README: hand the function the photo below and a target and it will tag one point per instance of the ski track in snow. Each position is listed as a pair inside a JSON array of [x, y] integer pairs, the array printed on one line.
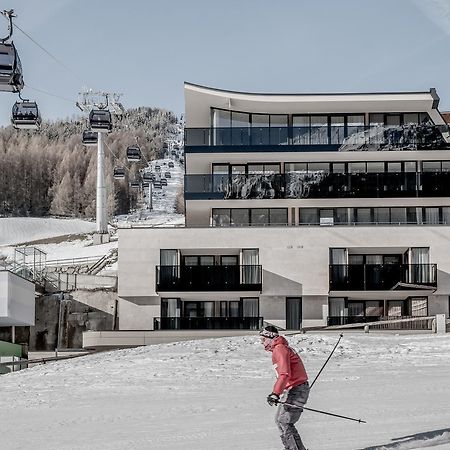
[[210, 394]]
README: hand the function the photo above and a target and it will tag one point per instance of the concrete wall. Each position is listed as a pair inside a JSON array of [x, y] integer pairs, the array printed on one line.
[[295, 262], [80, 311], [16, 300]]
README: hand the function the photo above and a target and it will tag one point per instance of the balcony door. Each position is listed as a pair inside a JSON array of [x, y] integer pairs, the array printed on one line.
[[250, 262]]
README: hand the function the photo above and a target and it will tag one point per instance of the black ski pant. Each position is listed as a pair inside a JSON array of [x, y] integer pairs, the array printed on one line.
[[287, 416]]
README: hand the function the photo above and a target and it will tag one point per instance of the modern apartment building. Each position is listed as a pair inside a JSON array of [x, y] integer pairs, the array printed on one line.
[[302, 210]]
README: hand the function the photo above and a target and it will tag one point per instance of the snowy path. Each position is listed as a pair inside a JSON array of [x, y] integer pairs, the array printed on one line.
[[210, 395]]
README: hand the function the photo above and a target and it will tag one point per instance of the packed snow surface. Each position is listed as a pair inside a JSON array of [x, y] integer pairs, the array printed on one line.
[[17, 230], [210, 395]]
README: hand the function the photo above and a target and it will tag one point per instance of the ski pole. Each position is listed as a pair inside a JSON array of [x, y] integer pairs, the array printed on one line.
[[326, 362], [322, 412]]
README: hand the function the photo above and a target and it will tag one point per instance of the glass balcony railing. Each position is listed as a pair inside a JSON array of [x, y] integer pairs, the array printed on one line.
[[208, 323], [342, 138], [384, 277], [209, 278], [318, 184]]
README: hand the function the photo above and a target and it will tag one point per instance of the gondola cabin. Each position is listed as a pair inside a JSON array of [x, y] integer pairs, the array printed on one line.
[[11, 76], [135, 184], [90, 137], [148, 176], [25, 115], [133, 153], [100, 120], [119, 173]]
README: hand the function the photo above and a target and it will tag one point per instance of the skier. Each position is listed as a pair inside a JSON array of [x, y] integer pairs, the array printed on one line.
[[292, 380]]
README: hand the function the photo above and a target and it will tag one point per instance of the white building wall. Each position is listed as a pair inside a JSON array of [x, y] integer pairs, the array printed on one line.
[[17, 301], [295, 262]]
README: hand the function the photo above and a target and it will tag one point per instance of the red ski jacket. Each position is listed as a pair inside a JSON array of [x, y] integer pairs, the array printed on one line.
[[288, 366]]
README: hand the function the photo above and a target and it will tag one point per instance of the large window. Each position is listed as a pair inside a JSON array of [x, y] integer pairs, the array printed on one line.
[[383, 215], [222, 217]]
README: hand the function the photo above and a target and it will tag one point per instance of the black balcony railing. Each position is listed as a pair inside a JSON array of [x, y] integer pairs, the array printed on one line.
[[376, 277], [208, 323], [318, 184], [343, 138], [209, 278]]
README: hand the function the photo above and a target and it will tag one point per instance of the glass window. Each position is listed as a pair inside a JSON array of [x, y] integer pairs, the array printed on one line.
[[326, 214], [278, 120], [431, 216], [318, 167], [357, 167], [375, 167], [393, 120], [445, 166], [410, 166], [376, 120], [412, 216], [338, 167], [431, 166], [240, 120], [221, 118], [234, 309], [250, 307], [356, 259], [341, 215], [259, 216], [237, 169], [338, 256], [398, 215], [300, 132], [256, 168], [300, 121], [206, 260], [295, 167], [394, 167], [337, 129], [231, 260], [419, 306], [278, 216], [260, 120], [220, 169], [270, 169], [446, 215], [221, 217], [319, 130], [190, 260], [309, 216], [363, 215], [424, 118], [223, 309], [411, 118], [381, 215], [355, 120], [168, 257], [240, 217]]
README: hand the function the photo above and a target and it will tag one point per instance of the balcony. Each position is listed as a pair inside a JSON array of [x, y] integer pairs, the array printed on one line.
[[298, 185], [382, 277], [208, 323], [208, 278], [316, 138]]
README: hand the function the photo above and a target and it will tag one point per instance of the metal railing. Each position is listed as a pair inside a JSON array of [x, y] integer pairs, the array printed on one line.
[[209, 278], [385, 322], [319, 184], [375, 277], [208, 323]]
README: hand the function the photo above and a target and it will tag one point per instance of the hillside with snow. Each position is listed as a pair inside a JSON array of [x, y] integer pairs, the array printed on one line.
[[210, 394]]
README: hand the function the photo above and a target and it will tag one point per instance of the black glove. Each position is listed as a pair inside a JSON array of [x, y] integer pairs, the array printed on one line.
[[273, 399]]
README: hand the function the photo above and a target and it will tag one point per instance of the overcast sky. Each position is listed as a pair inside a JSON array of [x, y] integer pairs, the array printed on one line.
[[146, 49]]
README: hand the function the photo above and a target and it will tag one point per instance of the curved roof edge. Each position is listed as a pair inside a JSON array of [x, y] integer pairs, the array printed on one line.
[[432, 92]]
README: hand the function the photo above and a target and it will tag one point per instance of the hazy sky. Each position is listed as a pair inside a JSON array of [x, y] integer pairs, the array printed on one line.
[[146, 49]]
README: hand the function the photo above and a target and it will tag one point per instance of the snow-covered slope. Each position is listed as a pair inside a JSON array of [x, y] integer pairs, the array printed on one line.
[[16, 230], [210, 394]]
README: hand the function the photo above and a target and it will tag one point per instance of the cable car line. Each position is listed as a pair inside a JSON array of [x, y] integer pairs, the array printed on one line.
[[48, 93], [42, 48]]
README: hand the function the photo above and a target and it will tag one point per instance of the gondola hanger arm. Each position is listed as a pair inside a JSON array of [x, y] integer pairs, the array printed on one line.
[[9, 14]]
